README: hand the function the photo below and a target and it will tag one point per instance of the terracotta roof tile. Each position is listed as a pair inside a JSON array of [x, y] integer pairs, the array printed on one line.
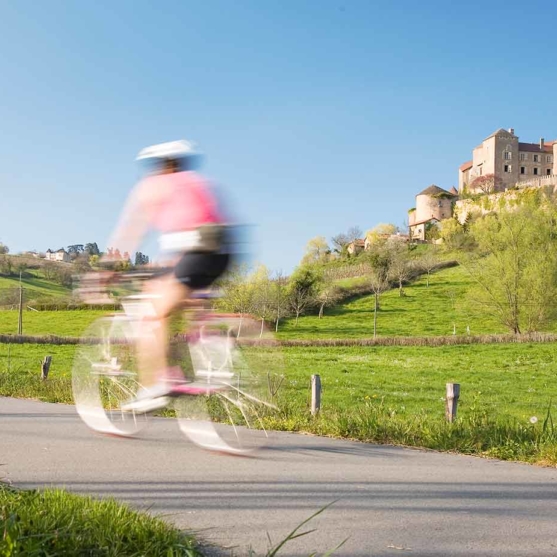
[[466, 166]]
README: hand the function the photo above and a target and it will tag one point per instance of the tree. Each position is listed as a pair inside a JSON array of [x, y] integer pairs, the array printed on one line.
[[377, 233], [516, 275], [341, 241], [378, 283], [429, 261], [140, 259], [328, 296], [81, 263], [455, 236], [6, 265], [63, 276], [4, 249], [238, 294], [92, 248], [74, 250], [488, 183], [316, 250], [262, 295], [378, 273], [279, 297], [401, 266], [50, 270], [302, 290]]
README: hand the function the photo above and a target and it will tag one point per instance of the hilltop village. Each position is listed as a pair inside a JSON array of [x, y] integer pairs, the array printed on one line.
[[499, 163]]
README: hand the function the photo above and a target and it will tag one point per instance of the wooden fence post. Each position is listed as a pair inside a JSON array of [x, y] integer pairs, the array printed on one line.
[[315, 394], [45, 367], [451, 401]]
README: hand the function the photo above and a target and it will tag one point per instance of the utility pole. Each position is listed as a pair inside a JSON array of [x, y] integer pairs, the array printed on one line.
[[20, 321]]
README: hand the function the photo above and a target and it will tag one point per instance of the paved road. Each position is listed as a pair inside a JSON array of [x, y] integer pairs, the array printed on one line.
[[391, 501]]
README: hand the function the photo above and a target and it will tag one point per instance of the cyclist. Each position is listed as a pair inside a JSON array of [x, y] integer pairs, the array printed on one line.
[[178, 203]]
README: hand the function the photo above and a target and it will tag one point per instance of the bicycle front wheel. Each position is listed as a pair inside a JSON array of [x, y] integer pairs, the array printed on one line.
[[104, 376], [235, 402]]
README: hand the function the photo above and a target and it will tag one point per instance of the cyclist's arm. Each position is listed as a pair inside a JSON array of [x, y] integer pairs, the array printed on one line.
[[133, 223]]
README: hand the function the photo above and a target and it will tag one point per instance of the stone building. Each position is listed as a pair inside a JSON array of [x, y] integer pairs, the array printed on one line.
[[433, 204], [510, 161]]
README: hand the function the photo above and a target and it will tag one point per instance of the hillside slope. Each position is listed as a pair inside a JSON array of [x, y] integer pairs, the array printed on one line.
[[422, 311]]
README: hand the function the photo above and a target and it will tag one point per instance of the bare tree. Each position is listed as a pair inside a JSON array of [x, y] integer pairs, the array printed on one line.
[[262, 295], [428, 262], [354, 233], [341, 241], [50, 270], [378, 283], [401, 266], [279, 297]]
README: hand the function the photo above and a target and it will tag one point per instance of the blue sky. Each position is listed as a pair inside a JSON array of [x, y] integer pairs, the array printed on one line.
[[315, 115]]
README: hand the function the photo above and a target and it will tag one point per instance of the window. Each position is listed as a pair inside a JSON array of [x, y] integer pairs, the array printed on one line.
[[508, 168], [536, 158], [548, 172], [523, 157], [523, 170], [549, 158], [536, 171], [507, 155]]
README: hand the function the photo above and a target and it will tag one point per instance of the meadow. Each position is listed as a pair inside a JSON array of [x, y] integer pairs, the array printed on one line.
[[70, 323], [379, 394], [440, 309]]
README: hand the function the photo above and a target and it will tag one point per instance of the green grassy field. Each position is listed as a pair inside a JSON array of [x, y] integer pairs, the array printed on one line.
[[36, 285], [59, 323], [508, 380], [423, 311], [400, 389]]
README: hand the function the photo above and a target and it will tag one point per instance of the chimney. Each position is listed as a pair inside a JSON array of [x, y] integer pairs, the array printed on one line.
[[542, 143], [511, 131]]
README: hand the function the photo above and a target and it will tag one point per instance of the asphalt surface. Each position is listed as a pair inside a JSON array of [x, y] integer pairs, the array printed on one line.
[[389, 500]]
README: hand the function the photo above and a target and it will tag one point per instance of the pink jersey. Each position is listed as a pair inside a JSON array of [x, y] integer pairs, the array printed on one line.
[[189, 204]]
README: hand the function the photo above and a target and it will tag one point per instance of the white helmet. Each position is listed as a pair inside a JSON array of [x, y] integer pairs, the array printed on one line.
[[171, 150]]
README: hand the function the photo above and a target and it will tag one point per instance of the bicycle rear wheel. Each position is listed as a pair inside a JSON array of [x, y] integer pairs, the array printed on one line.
[[104, 377], [232, 411]]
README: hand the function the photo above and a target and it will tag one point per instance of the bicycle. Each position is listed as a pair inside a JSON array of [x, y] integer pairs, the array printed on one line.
[[221, 394]]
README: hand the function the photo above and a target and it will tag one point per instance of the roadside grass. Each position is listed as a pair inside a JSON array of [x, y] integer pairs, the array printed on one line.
[[384, 394], [58, 323], [422, 311], [54, 522]]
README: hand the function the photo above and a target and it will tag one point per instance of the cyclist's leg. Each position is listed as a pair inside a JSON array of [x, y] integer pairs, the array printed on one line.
[[170, 295]]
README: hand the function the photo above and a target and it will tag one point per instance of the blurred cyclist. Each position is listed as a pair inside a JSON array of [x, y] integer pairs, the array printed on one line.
[[178, 203]]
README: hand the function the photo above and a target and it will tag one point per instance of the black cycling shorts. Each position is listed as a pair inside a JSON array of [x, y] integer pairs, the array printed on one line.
[[200, 269]]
